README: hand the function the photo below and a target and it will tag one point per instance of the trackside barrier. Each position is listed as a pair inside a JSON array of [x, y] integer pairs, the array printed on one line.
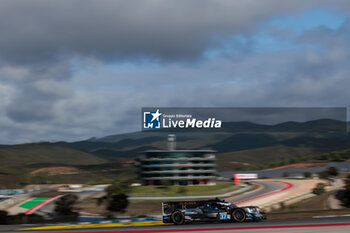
[[145, 219]]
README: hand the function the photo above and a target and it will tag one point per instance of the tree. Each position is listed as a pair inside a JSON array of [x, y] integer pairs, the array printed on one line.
[[181, 190], [332, 171], [114, 189], [323, 174], [346, 193], [3, 217], [64, 207], [117, 203], [293, 206], [319, 189], [117, 200], [307, 174], [282, 206], [165, 183]]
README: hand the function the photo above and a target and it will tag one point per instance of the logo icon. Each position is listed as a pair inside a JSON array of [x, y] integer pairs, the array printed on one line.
[[151, 120]]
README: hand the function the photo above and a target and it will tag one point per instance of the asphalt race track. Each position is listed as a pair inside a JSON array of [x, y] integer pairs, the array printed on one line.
[[325, 224], [264, 188], [339, 224]]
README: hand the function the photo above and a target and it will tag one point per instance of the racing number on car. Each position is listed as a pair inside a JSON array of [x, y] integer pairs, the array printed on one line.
[[224, 216]]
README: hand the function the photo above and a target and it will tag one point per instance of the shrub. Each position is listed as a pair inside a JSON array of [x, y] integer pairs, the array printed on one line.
[[181, 190], [307, 174], [293, 206], [3, 217], [319, 189], [117, 200], [117, 203], [64, 207], [346, 193], [333, 171], [282, 206]]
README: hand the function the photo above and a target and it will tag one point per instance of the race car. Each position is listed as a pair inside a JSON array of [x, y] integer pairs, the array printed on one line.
[[181, 212]]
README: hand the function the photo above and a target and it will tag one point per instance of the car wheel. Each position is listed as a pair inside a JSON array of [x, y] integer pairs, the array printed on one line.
[[177, 217], [217, 219], [238, 215]]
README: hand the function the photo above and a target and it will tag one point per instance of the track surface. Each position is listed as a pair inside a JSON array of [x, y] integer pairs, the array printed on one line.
[[264, 188], [306, 225], [325, 224]]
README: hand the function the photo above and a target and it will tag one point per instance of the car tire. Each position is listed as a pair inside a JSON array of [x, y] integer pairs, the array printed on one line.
[[177, 217], [238, 215], [217, 219]]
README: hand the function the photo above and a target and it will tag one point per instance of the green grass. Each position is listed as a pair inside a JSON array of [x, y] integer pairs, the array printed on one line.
[[33, 202], [148, 191]]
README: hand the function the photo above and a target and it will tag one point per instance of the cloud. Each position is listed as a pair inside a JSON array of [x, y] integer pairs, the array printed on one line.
[[37, 30], [71, 70]]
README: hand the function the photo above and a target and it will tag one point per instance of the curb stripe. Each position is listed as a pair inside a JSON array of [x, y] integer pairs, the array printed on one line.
[[222, 229], [34, 208]]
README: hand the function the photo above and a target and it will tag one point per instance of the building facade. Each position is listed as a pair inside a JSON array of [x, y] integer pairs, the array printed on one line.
[[177, 167]]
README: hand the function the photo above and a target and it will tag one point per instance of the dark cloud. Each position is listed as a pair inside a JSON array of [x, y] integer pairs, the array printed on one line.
[[39, 31], [62, 75]]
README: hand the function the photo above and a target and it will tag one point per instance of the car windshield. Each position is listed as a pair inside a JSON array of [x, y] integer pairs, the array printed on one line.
[[233, 205], [226, 204]]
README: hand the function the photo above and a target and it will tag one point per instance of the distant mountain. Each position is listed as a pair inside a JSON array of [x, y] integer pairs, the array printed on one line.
[[329, 143], [110, 154], [237, 136], [117, 145], [312, 136], [45, 153], [244, 142], [320, 126]]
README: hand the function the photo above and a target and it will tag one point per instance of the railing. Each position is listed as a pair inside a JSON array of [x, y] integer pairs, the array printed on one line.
[[179, 178], [180, 165], [178, 171], [211, 158]]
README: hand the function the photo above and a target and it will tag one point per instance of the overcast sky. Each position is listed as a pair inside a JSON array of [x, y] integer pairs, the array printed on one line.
[[70, 70]]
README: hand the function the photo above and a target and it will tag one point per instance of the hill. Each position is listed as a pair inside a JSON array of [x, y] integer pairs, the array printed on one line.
[[38, 153], [237, 136], [245, 143], [246, 159]]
